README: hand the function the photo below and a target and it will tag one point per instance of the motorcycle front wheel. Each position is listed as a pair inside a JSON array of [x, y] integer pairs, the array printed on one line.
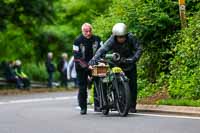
[[123, 97]]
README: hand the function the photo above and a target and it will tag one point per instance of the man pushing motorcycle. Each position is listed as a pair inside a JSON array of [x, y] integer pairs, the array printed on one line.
[[127, 46]]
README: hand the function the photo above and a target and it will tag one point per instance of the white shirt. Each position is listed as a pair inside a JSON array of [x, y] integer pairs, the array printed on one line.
[[71, 70]]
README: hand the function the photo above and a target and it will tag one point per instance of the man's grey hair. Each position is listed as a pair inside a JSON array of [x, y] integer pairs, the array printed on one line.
[[86, 25], [50, 54], [18, 62]]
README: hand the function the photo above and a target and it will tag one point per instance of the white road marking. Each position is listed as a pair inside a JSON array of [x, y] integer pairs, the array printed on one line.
[[167, 116], [1, 103], [153, 115], [38, 100]]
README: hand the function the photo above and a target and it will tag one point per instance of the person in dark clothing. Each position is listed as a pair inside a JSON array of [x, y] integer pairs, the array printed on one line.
[[10, 74], [62, 68], [22, 76], [129, 49], [50, 69], [85, 46]]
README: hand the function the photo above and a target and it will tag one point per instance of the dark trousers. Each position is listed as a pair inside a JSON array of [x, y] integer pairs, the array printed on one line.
[[82, 76], [50, 79], [132, 75], [63, 78], [75, 82], [96, 100], [17, 81], [26, 82]]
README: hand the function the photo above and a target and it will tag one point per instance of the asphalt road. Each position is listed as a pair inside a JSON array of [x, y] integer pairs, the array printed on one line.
[[58, 113]]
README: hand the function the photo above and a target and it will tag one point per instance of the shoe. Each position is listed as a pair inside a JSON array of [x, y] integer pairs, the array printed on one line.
[[83, 111], [132, 110]]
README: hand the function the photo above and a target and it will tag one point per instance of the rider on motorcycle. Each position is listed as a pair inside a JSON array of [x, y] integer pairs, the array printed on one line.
[[129, 49]]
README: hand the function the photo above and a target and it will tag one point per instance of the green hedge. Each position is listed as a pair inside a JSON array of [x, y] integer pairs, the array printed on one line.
[[185, 67]]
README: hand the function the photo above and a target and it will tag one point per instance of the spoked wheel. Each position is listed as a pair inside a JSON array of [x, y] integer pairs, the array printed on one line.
[[123, 97]]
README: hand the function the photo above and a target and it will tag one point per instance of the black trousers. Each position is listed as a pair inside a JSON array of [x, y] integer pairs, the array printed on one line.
[[132, 75], [50, 79], [82, 77], [96, 102], [63, 78], [15, 80], [26, 82]]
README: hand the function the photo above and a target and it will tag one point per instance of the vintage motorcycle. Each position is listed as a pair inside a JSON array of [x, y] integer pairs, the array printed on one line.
[[111, 85]]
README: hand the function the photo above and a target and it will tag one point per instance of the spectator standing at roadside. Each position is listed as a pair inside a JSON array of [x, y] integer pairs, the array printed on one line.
[[50, 69], [62, 68]]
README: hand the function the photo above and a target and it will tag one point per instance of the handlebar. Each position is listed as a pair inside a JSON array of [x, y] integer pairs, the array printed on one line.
[[114, 56], [111, 59], [115, 60]]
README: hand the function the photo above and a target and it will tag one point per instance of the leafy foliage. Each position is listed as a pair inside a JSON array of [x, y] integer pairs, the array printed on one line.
[[37, 72], [33, 70], [185, 67], [14, 44], [180, 102], [26, 14], [48, 25]]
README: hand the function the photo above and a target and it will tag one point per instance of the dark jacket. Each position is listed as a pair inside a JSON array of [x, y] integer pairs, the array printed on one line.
[[130, 49], [60, 65], [49, 66], [9, 72], [84, 49]]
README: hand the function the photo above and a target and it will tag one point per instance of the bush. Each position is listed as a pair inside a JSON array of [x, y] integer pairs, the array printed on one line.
[[185, 67], [14, 45], [35, 72], [147, 88], [52, 38]]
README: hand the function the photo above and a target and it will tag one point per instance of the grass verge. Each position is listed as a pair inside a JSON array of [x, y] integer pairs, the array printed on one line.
[[179, 102]]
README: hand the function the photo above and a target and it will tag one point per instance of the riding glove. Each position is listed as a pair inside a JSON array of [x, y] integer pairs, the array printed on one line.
[[92, 62]]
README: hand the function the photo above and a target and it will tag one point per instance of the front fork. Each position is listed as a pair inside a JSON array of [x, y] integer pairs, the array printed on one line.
[[118, 77]]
